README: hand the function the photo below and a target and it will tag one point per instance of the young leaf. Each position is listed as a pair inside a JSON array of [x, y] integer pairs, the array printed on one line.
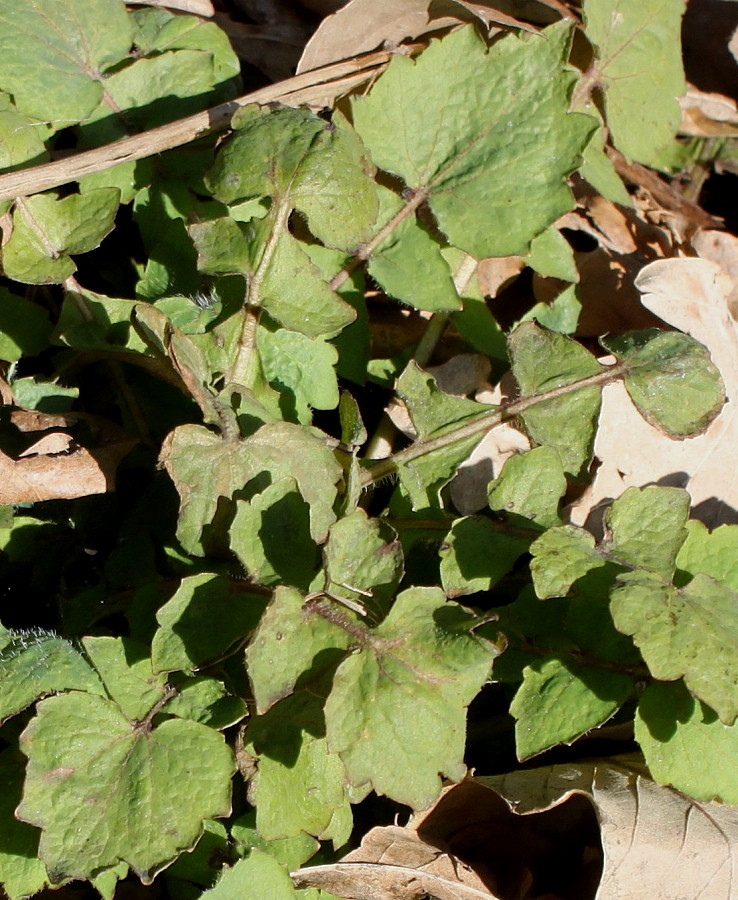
[[529, 488], [690, 632], [639, 67], [559, 701], [203, 620], [647, 527], [543, 360], [482, 134], [56, 73], [476, 555], [103, 788], [560, 557], [270, 534], [711, 552], [47, 229], [291, 640], [36, 663], [671, 380], [686, 745], [413, 678], [362, 553]]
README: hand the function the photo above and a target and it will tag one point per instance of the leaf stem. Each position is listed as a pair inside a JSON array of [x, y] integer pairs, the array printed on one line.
[[376, 471]]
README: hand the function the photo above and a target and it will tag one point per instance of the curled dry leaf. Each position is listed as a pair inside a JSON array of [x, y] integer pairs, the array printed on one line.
[[565, 832], [55, 466], [692, 295], [202, 8], [363, 25]]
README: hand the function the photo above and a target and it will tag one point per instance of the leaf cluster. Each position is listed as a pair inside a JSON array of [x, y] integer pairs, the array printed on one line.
[[264, 623]]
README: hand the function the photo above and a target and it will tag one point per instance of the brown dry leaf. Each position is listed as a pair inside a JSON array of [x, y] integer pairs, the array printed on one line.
[[722, 248], [708, 115], [55, 466], [692, 295], [582, 831], [202, 8], [363, 25]]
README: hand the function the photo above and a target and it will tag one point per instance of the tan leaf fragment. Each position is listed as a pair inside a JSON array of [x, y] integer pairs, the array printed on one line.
[[363, 25], [581, 830], [708, 115], [692, 295], [55, 466]]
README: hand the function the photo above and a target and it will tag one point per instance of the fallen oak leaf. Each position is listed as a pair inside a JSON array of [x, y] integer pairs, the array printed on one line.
[[692, 295]]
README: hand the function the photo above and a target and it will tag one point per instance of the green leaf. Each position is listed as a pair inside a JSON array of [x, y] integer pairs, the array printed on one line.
[[529, 488], [207, 615], [105, 789], [670, 379], [125, 669], [598, 169], [54, 53], [157, 30], [22, 873], [24, 328], [270, 534], [495, 178], [559, 701], [47, 229], [561, 556], [291, 852], [541, 361], [222, 247], [258, 877], [302, 162], [560, 314], [690, 632], [91, 321], [206, 700], [639, 65], [301, 369], [551, 256], [686, 745], [412, 679], [204, 864], [299, 785], [476, 555], [363, 555], [711, 552], [647, 527], [35, 663], [408, 263], [292, 640], [21, 140]]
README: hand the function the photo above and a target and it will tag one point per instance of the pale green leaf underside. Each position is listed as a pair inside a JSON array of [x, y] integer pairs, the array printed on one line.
[[485, 132], [103, 790]]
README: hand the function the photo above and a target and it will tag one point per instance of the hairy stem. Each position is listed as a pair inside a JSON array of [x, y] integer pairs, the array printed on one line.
[[380, 469]]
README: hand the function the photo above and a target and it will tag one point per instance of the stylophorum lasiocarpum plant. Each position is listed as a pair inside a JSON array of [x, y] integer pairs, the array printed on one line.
[[240, 531]]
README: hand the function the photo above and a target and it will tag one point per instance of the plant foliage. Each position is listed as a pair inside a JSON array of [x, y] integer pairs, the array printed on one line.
[[229, 361]]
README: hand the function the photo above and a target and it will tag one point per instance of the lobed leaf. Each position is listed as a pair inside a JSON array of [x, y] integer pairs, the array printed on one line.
[[476, 555], [104, 789], [412, 679], [529, 488], [689, 632], [483, 133]]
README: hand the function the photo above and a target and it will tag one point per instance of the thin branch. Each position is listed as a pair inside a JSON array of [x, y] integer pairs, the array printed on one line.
[[382, 468], [314, 86]]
